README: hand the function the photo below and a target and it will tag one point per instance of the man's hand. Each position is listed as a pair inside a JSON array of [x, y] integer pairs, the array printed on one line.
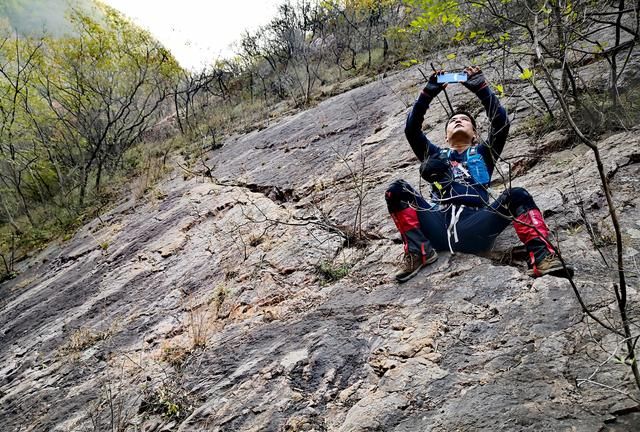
[[475, 79], [433, 87]]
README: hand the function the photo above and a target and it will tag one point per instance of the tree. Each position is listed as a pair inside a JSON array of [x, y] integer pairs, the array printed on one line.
[[103, 88], [18, 157]]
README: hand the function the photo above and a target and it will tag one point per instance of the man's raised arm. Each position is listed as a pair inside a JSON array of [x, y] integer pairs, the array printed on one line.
[[420, 144], [496, 113]]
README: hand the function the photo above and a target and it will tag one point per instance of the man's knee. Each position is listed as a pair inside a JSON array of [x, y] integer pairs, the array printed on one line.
[[398, 195], [520, 201], [397, 190]]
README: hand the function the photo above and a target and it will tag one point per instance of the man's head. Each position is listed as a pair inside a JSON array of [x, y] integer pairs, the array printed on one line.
[[461, 129]]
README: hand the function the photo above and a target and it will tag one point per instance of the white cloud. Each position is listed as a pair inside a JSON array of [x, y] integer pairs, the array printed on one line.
[[197, 31]]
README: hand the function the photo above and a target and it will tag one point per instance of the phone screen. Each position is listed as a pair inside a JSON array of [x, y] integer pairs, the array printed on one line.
[[452, 77]]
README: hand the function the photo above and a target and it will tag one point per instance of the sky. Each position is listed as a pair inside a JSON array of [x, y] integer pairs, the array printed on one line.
[[197, 32]]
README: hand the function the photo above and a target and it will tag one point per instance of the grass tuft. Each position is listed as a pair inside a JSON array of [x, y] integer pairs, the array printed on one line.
[[329, 271]]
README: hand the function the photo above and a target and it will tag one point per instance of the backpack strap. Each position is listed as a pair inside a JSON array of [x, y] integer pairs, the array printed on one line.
[[477, 166]]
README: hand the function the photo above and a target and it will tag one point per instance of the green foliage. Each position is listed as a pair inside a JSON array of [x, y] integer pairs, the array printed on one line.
[[330, 271], [409, 62], [537, 127], [5, 276], [169, 400], [133, 160], [169, 407], [435, 12], [527, 74], [70, 108]]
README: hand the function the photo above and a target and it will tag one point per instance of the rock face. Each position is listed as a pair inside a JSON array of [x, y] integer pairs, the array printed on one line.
[[262, 299]]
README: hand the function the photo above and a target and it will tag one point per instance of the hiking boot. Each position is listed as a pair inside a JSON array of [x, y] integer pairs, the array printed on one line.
[[413, 263], [551, 265]]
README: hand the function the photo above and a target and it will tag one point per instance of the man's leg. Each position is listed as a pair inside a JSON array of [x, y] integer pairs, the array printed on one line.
[[404, 204], [478, 228], [532, 230], [514, 205]]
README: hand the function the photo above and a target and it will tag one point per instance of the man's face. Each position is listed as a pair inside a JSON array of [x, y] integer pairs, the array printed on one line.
[[460, 127]]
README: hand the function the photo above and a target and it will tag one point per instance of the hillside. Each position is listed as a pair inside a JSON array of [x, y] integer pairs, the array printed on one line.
[[238, 301], [43, 17]]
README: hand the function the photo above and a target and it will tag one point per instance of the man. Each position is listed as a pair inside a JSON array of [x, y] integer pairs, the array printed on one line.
[[463, 216]]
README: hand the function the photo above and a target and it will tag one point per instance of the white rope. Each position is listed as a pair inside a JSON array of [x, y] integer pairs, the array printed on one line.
[[455, 216]]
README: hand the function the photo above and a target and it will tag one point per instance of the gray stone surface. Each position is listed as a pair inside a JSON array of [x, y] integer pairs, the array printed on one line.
[[207, 310]]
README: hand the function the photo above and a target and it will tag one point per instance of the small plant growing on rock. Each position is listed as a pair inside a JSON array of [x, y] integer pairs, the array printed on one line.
[[83, 338], [168, 400], [201, 318], [220, 295], [114, 407], [175, 355], [169, 406], [360, 183], [255, 240], [199, 326], [330, 271]]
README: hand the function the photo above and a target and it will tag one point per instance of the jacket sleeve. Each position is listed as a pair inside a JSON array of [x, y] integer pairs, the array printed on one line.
[[420, 144], [499, 126]]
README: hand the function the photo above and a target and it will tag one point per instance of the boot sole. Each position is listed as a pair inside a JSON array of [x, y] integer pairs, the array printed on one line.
[[555, 271], [405, 277]]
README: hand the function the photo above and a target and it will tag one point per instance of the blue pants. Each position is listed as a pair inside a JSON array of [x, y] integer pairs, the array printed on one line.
[[477, 227]]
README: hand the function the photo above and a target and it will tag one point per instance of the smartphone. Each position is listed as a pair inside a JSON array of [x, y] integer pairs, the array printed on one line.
[[452, 77]]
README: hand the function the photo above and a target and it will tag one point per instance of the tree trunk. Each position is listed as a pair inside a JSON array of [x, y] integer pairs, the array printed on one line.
[[12, 222], [176, 104], [98, 177], [385, 48], [83, 186], [613, 90]]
